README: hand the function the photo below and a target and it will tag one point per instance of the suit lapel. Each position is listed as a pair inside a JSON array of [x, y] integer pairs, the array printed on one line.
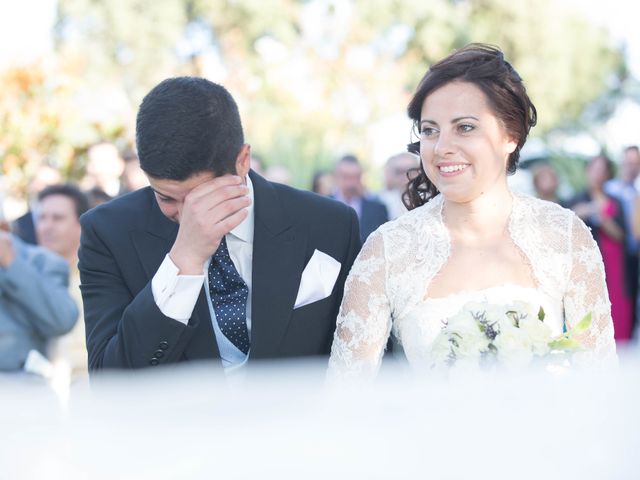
[[278, 260], [152, 244], [155, 239]]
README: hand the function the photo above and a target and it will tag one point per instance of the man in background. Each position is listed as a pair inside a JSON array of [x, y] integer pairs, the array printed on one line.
[[58, 230], [104, 169], [351, 191], [395, 182]]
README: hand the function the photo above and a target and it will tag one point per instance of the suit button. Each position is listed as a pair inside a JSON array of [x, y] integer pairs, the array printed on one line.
[[154, 361], [163, 345], [158, 354]]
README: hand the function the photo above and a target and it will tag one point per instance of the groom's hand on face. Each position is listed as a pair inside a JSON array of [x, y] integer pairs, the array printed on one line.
[[209, 211]]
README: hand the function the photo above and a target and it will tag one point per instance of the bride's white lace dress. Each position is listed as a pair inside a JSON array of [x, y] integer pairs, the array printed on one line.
[[388, 286]]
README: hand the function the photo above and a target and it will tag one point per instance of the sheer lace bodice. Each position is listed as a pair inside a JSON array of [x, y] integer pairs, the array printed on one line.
[[388, 286]]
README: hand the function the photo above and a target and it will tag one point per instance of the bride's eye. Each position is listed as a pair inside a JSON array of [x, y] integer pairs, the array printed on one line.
[[465, 127], [428, 131]]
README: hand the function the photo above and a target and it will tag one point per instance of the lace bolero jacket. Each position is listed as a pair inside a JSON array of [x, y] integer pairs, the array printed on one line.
[[391, 278]]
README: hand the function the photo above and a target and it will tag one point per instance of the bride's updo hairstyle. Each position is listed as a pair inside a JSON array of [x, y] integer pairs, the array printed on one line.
[[485, 67]]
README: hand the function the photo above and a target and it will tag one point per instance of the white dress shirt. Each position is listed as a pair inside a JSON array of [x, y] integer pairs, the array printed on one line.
[[176, 295]]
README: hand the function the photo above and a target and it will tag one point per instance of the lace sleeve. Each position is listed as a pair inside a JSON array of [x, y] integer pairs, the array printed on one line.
[[364, 320], [587, 292]]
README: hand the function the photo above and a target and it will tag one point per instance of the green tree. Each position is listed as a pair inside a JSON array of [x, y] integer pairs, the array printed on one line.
[[311, 76]]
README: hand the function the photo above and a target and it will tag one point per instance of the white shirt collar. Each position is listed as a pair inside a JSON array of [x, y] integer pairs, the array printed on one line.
[[244, 231]]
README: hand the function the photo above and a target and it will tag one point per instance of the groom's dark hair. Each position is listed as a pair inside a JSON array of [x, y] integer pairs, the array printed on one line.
[[186, 126]]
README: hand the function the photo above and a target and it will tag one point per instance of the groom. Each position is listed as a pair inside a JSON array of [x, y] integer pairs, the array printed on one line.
[[211, 261]]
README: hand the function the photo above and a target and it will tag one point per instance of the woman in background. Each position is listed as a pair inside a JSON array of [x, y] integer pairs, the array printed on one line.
[[604, 215]]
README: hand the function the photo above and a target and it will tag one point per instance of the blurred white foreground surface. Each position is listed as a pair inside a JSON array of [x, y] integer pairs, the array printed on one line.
[[282, 422]]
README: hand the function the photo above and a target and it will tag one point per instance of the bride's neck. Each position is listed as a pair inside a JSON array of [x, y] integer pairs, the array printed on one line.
[[485, 217]]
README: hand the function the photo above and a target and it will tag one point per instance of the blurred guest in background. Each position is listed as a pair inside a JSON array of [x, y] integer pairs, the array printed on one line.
[[351, 191], [545, 183], [58, 220], [24, 226], [35, 305], [97, 196], [278, 174], [605, 216], [257, 163], [623, 188], [395, 182], [59, 231], [104, 169], [323, 183], [133, 177]]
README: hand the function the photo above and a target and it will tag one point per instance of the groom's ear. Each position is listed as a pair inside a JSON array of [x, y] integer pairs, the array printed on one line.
[[243, 160]]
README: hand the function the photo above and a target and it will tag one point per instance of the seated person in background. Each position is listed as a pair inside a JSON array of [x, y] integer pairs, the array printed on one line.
[[350, 190], [35, 304], [58, 230]]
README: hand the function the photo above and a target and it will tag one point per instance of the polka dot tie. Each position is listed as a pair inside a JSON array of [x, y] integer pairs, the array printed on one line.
[[229, 296]]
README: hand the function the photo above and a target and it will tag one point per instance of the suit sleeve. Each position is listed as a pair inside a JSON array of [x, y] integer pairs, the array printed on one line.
[[40, 286], [124, 329]]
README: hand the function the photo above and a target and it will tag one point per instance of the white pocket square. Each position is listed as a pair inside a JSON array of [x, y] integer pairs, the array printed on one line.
[[318, 279]]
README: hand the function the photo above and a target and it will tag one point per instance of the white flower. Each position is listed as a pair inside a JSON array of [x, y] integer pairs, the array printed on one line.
[[496, 313], [525, 309], [513, 345], [470, 341], [538, 333]]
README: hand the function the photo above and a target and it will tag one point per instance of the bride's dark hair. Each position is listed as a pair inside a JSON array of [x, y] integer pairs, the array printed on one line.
[[485, 67]]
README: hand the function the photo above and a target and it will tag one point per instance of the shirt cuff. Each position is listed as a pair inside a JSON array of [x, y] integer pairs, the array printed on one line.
[[176, 295]]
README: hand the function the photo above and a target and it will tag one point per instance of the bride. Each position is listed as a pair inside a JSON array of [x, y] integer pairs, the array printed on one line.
[[467, 236]]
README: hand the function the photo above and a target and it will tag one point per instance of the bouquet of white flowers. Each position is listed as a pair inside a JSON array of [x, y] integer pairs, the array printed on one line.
[[485, 334]]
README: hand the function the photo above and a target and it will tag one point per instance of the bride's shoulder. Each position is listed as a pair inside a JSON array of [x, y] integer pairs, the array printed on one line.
[[415, 221], [545, 209]]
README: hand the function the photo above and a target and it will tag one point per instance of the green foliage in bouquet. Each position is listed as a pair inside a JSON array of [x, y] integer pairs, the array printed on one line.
[[567, 342]]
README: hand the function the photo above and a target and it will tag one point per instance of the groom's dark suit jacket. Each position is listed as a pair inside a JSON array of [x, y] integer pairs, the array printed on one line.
[[125, 241]]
